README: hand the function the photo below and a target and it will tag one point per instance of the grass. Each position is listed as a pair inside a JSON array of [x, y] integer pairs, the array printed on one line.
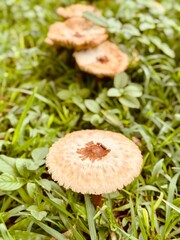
[[43, 96]]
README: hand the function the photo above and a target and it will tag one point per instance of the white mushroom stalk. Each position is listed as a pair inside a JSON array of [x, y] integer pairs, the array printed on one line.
[[77, 32], [106, 60], [94, 161]]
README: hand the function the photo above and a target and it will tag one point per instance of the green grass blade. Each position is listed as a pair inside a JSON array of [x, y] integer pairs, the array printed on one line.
[[54, 204], [171, 191], [169, 225], [5, 233], [126, 235], [17, 131], [18, 234], [133, 217], [177, 209], [49, 230], [141, 224], [90, 216]]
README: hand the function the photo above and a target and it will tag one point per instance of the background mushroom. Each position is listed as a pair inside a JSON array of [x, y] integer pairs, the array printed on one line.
[[76, 32], [76, 10], [94, 161], [105, 60]]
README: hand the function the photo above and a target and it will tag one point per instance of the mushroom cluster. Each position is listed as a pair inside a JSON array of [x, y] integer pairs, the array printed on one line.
[[93, 53]]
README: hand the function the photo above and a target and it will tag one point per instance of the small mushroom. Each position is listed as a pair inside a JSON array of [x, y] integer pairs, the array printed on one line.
[[106, 60], [76, 10], [76, 32], [94, 161]]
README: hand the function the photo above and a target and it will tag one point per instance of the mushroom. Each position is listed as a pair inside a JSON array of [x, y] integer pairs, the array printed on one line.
[[76, 32], [106, 60], [94, 162], [76, 10]]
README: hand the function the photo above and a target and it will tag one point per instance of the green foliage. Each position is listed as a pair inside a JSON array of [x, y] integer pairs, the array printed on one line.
[[43, 96], [127, 93]]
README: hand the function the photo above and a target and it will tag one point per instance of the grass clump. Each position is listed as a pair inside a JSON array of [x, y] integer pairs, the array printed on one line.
[[43, 96]]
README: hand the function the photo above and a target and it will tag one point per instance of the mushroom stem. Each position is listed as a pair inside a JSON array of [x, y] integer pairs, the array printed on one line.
[[97, 200]]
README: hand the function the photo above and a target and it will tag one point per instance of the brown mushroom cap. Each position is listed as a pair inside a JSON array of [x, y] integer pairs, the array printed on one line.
[[105, 60], [94, 161], [77, 32], [76, 10]]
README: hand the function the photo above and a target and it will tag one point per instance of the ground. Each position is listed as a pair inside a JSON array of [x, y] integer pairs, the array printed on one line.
[[43, 96]]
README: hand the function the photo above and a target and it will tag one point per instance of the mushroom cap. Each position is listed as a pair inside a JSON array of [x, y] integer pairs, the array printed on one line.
[[105, 60], [76, 10], [94, 161], [76, 32]]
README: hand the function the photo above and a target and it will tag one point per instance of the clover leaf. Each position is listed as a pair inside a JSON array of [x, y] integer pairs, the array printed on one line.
[[126, 91]]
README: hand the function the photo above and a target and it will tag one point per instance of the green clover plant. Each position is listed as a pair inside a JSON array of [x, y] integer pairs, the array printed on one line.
[[74, 94], [125, 91]]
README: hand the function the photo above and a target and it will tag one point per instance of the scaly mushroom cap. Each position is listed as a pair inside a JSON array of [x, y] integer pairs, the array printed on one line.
[[77, 32], [76, 10], [105, 60], [94, 161]]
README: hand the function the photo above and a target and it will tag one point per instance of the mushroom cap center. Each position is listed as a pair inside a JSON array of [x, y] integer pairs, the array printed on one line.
[[77, 34], [93, 151], [103, 59]]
